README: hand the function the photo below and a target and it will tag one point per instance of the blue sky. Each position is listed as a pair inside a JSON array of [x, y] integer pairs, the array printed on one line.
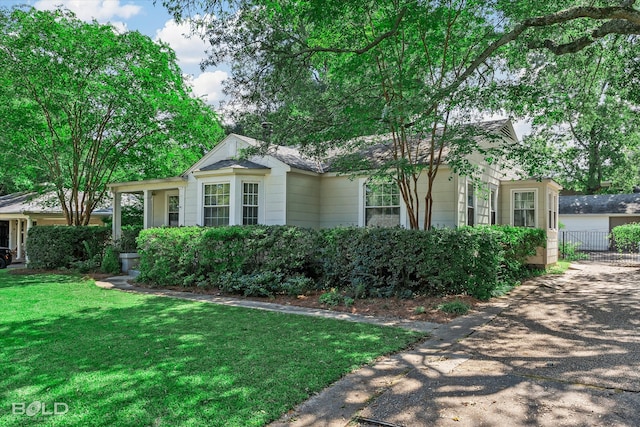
[[154, 21]]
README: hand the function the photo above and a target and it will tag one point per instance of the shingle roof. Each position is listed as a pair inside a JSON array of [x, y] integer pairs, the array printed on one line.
[[600, 204], [288, 155], [232, 163], [376, 148], [30, 202]]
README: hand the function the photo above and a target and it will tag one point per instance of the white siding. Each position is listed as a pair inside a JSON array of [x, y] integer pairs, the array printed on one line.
[[303, 200], [585, 222]]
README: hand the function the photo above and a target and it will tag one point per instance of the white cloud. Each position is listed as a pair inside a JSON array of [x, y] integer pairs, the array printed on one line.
[[208, 86], [189, 49], [100, 10]]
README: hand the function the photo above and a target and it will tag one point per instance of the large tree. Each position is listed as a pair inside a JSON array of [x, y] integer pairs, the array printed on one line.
[[325, 71], [82, 104], [586, 130]]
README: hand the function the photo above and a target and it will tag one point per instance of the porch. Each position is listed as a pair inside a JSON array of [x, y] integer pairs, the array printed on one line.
[[163, 202]]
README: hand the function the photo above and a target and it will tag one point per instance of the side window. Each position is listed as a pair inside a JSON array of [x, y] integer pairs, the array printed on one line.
[[524, 208], [493, 204], [471, 204], [382, 204], [553, 211], [249, 203]]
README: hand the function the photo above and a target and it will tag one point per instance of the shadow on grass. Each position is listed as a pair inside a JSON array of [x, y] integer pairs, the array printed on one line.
[[161, 361]]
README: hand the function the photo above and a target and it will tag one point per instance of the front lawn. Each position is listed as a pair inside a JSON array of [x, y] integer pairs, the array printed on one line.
[[113, 358]]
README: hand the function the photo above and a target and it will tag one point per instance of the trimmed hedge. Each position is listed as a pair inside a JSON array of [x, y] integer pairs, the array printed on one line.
[[53, 247], [627, 237], [362, 262], [194, 256]]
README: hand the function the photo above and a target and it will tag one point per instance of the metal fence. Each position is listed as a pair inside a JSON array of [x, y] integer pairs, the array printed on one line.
[[595, 246]]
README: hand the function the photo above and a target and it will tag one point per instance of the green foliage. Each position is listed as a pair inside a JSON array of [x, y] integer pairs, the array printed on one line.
[[355, 262], [127, 242], [83, 104], [569, 251], [454, 307], [110, 261], [55, 247], [627, 237], [202, 256]]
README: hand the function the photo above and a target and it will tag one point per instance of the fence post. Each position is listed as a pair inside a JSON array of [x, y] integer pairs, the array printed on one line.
[[563, 248]]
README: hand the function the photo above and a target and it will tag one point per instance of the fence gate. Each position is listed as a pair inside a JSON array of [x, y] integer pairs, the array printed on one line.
[[595, 246]]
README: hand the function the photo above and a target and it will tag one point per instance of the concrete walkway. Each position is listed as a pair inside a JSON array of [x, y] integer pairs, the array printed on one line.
[[557, 351]]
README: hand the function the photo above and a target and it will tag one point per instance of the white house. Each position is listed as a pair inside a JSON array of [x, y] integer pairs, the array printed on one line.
[[287, 187]]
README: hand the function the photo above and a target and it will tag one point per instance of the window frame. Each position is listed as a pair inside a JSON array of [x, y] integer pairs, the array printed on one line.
[[552, 209], [256, 205], [493, 205], [471, 203], [170, 212], [535, 207], [366, 207], [206, 206]]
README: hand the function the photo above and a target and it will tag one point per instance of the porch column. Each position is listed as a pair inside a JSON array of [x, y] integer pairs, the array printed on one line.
[[19, 238], [11, 230], [147, 201], [26, 233], [182, 202], [116, 221]]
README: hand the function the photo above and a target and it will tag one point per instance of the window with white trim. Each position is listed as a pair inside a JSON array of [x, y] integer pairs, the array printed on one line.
[[216, 204], [524, 208], [553, 211], [250, 203], [471, 204], [382, 204], [493, 203], [173, 209]]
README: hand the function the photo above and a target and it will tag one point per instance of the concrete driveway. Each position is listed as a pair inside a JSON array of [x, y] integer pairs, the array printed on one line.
[[558, 351]]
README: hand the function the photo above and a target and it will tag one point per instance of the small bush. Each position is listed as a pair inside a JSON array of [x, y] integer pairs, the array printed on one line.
[[569, 252], [454, 307], [627, 237], [110, 261], [331, 298]]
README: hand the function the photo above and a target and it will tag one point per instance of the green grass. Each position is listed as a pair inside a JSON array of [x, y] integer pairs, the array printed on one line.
[[124, 359], [559, 268]]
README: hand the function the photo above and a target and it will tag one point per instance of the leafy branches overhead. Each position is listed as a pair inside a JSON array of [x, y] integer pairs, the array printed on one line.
[[82, 103], [327, 71]]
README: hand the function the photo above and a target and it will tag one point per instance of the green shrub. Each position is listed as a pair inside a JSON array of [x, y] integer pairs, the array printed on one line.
[[204, 256], [110, 261], [569, 251], [127, 242], [454, 307], [627, 237], [54, 247], [358, 262]]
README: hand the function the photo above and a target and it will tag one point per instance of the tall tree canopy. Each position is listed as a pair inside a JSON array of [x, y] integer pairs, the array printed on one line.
[[82, 104], [326, 71], [586, 130]]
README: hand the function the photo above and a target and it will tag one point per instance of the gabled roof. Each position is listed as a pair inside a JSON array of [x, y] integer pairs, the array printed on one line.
[[288, 155], [34, 203], [628, 204], [232, 163]]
